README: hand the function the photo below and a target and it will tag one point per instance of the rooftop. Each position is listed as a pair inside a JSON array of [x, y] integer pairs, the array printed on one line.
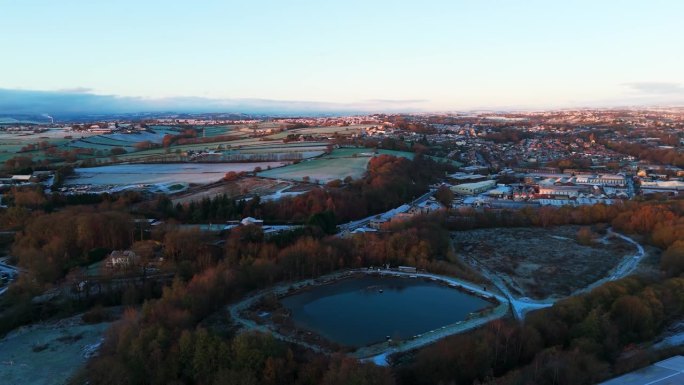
[[666, 372]]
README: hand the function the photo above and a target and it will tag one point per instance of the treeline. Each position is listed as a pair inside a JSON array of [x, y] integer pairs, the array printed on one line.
[[174, 340], [51, 244], [659, 223], [169, 139], [575, 163], [260, 263], [405, 124], [25, 164], [189, 136], [664, 156], [167, 343], [216, 209], [508, 135], [27, 201]]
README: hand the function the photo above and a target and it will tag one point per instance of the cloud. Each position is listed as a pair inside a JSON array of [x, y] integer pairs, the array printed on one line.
[[656, 88], [82, 101]]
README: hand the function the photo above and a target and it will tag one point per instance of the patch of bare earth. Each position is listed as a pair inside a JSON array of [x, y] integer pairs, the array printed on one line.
[[242, 187], [541, 263]]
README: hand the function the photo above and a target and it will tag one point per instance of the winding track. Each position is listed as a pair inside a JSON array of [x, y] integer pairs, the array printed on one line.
[[13, 271]]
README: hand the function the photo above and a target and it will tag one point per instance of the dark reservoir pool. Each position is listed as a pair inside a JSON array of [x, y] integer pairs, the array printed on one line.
[[353, 312]]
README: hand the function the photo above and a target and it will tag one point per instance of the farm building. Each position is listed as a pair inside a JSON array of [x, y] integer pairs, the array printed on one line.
[[669, 371], [22, 178]]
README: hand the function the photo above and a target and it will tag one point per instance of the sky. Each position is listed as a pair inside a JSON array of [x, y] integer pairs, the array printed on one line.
[[398, 55]]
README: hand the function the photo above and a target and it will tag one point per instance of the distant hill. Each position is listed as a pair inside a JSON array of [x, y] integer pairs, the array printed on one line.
[[75, 104], [24, 119]]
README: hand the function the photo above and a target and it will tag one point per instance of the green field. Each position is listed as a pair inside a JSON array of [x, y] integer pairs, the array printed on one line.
[[321, 170], [208, 132], [350, 152], [340, 164], [10, 146]]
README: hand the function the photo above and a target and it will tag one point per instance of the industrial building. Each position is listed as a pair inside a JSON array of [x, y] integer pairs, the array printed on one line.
[[473, 188]]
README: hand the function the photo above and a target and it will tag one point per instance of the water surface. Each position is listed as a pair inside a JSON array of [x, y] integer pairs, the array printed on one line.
[[353, 312]]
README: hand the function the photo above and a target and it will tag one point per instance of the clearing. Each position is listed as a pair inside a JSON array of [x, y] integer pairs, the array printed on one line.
[[542, 263], [48, 353]]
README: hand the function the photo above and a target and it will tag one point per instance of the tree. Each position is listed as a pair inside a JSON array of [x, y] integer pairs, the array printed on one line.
[[444, 195], [672, 260], [30, 197], [180, 244], [324, 220], [231, 176], [19, 164], [345, 370], [144, 145], [632, 317], [117, 151], [585, 236]]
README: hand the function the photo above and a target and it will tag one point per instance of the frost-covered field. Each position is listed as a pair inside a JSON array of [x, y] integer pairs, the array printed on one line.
[[47, 354], [130, 174]]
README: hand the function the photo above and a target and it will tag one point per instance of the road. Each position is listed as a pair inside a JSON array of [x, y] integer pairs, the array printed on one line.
[[674, 336], [280, 193], [13, 272], [519, 306], [353, 225]]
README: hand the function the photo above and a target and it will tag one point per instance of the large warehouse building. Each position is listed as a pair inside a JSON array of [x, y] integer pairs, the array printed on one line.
[[473, 188]]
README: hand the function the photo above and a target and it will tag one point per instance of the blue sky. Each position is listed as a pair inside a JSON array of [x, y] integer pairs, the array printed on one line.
[[375, 54]]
